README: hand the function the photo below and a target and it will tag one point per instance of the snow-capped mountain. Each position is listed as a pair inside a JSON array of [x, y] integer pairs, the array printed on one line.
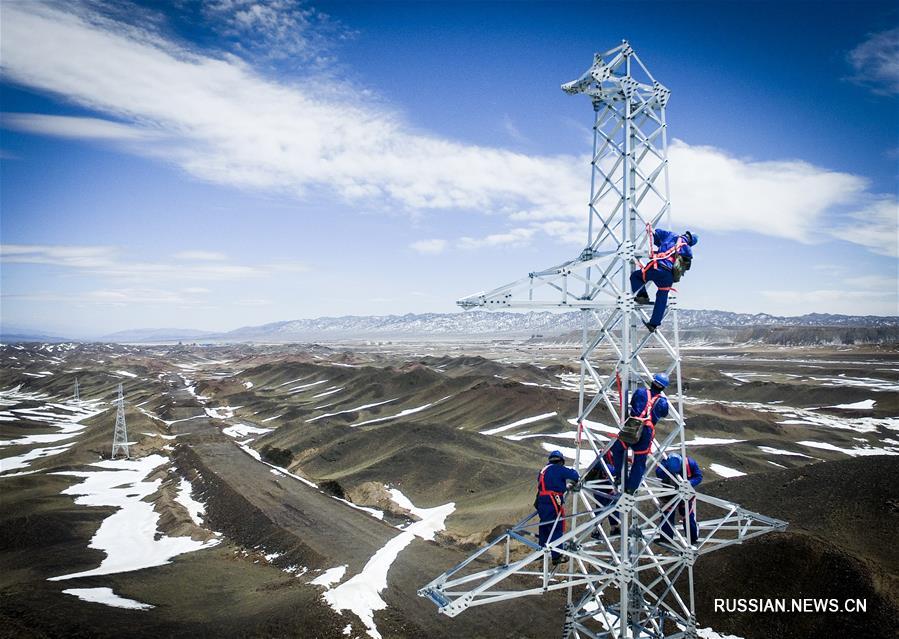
[[486, 324]]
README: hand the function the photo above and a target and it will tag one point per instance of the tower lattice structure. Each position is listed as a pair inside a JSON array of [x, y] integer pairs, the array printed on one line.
[[626, 585], [120, 435]]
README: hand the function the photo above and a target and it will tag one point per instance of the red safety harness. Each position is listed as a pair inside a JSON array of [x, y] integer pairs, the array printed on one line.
[[557, 498], [655, 258], [646, 418]]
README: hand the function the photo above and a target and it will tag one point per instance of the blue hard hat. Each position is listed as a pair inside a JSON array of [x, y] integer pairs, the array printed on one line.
[[556, 455], [673, 463], [661, 379], [691, 238]]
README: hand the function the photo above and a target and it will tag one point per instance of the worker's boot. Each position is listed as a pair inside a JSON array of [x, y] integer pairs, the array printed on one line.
[[650, 327], [643, 298]]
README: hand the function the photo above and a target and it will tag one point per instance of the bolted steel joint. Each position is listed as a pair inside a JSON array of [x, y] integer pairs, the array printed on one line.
[[625, 573], [688, 556], [625, 303], [627, 251]]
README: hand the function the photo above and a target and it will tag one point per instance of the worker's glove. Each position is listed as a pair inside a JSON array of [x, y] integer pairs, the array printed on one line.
[[574, 487]]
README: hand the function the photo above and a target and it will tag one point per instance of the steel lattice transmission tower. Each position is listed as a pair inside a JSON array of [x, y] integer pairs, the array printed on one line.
[[627, 585], [77, 394], [120, 436]]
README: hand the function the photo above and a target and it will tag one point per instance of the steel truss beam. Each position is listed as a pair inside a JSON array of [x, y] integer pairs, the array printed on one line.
[[638, 583]]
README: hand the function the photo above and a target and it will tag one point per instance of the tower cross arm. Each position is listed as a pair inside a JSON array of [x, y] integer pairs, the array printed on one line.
[[554, 287]]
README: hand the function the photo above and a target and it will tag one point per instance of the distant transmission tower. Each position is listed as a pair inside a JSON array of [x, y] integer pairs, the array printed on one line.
[[120, 436], [77, 395], [622, 586]]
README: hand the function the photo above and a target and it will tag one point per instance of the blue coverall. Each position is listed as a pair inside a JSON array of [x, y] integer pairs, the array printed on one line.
[[607, 497], [550, 501], [641, 448], [687, 510], [659, 271]]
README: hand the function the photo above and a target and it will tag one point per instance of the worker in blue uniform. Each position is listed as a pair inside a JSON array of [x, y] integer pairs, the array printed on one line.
[[605, 496], [670, 471], [648, 405], [550, 502], [664, 268]]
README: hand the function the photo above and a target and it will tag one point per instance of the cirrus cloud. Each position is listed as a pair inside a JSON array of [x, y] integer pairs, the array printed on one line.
[[875, 62]]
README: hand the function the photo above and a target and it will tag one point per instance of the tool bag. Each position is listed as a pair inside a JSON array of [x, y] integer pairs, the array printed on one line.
[[632, 430], [681, 265]]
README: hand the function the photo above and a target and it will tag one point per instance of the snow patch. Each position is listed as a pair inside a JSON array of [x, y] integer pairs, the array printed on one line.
[[408, 411], [329, 577], [520, 422], [587, 455], [852, 452], [221, 412], [780, 451], [106, 597], [24, 461], [129, 536], [724, 471], [352, 410], [865, 404], [243, 430], [711, 441], [194, 508], [361, 594]]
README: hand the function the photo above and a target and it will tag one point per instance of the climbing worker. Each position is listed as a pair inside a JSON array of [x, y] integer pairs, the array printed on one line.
[[664, 268], [604, 496], [648, 406], [550, 501], [670, 471]]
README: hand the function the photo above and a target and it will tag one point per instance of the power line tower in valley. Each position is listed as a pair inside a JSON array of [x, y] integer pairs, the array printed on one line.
[[77, 394], [618, 585], [120, 436]]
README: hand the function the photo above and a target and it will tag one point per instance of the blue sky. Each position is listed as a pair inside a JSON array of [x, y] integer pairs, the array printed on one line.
[[223, 163]]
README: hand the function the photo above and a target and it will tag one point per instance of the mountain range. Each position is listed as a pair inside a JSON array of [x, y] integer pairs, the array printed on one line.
[[475, 324]]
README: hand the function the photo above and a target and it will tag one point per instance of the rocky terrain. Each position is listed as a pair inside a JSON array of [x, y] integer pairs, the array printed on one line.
[[270, 481]]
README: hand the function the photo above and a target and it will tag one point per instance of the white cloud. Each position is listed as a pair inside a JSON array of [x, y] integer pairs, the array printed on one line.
[[514, 132], [513, 237], [714, 190], [200, 255], [128, 296], [429, 247], [75, 127], [119, 296], [876, 62], [276, 29], [70, 256], [222, 121], [106, 261], [875, 226]]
